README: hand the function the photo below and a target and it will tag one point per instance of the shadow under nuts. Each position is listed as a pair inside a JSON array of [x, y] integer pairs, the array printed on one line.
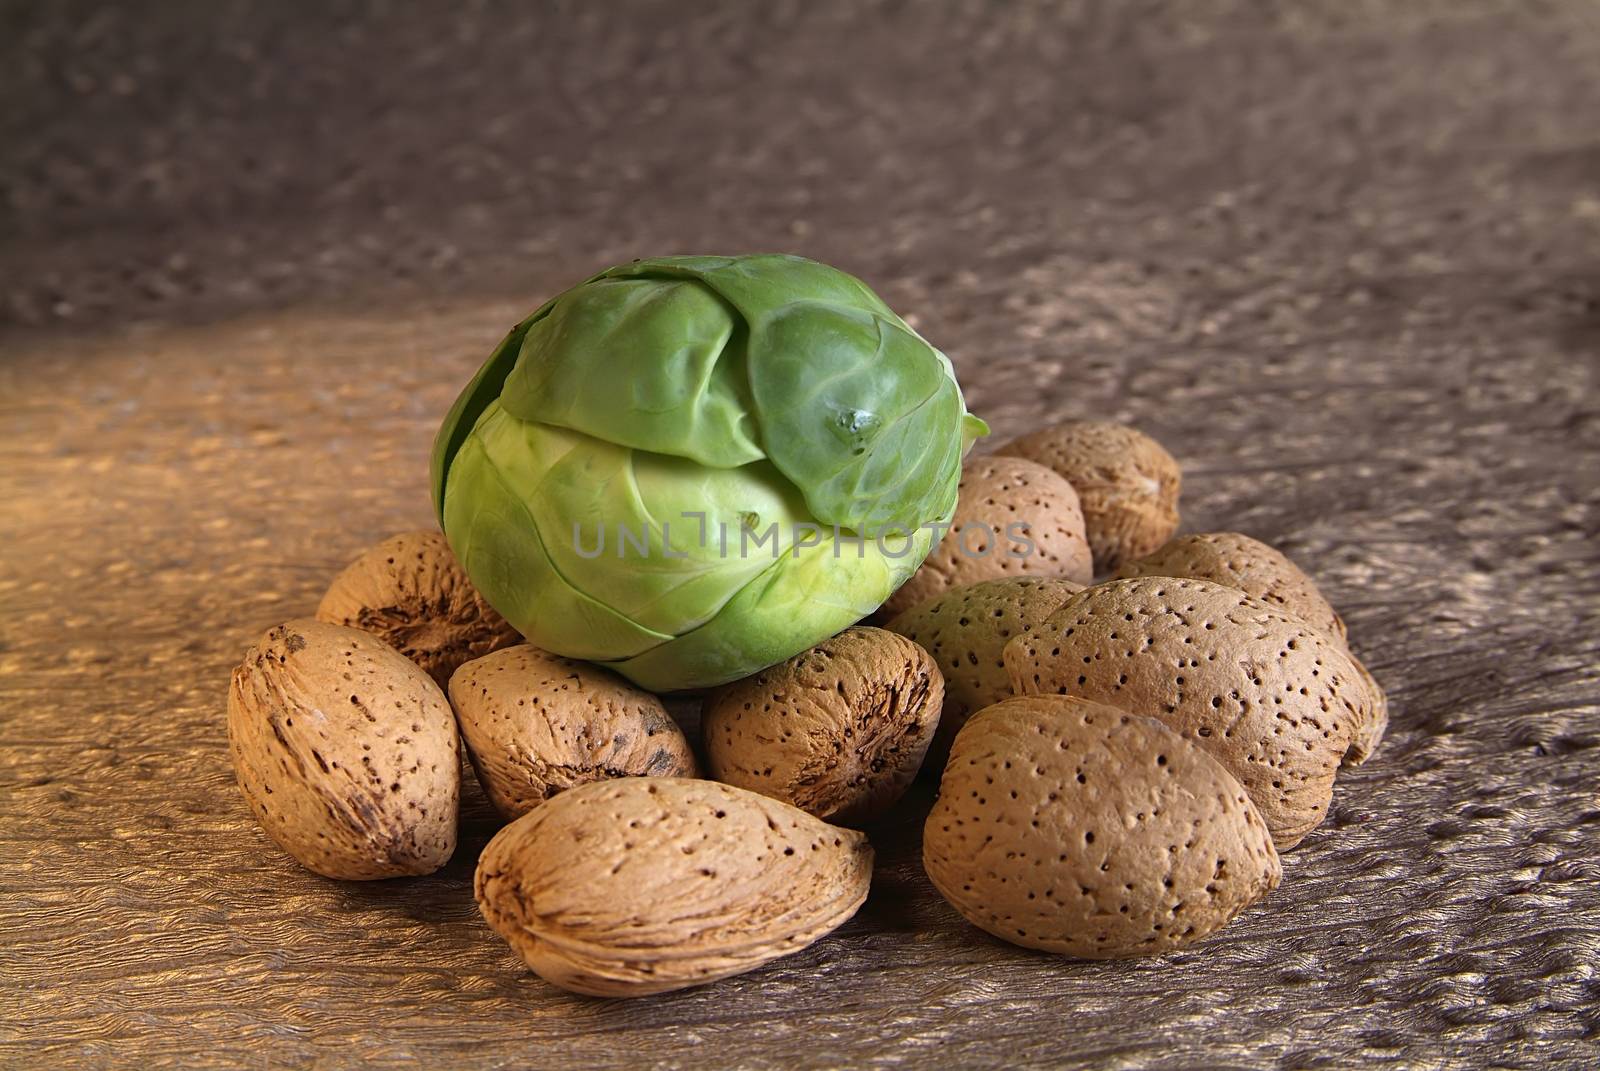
[[1276, 702], [1077, 828], [644, 885], [536, 724], [346, 752], [839, 730]]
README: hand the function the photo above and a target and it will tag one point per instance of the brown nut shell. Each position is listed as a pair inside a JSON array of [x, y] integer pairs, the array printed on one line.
[[1077, 828], [1369, 733], [410, 592], [643, 885], [966, 630], [839, 730], [1258, 570], [345, 751], [536, 724], [1275, 701], [1013, 518], [1127, 484], [1268, 575]]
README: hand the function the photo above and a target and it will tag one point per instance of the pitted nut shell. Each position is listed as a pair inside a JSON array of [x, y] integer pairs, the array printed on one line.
[[966, 630], [839, 730], [1250, 565], [345, 751], [1275, 701], [1127, 484], [1266, 574], [410, 592], [536, 724], [1013, 518], [644, 885], [1078, 828]]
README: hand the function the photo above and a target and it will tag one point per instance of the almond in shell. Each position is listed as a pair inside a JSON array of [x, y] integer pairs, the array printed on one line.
[[410, 592], [1275, 701], [536, 724], [644, 885], [1126, 481], [1013, 517], [1266, 574], [966, 630], [1078, 828], [1250, 565], [839, 730], [346, 752]]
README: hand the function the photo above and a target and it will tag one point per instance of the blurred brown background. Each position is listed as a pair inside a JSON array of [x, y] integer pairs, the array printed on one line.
[[177, 160], [1343, 258]]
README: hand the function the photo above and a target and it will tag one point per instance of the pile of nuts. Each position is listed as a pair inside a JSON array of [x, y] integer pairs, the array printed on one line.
[[1121, 762]]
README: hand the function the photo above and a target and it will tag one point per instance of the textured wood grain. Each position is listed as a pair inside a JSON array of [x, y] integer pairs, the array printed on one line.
[[1340, 258]]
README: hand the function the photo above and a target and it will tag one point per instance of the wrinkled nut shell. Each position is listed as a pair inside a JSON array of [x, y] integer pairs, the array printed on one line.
[[1275, 701], [1020, 502], [839, 730], [966, 630], [1077, 828], [1127, 484], [1369, 733], [410, 592], [644, 885], [345, 751], [1250, 565], [536, 724]]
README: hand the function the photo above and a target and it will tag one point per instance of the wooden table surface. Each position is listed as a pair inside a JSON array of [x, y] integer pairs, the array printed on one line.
[[1340, 258]]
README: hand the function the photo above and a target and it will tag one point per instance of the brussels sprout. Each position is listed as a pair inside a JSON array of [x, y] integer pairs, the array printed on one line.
[[690, 468]]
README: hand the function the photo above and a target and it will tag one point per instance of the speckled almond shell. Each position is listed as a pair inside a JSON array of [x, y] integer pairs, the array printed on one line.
[[536, 724], [966, 630], [1078, 828], [643, 885], [1248, 564], [410, 592], [1266, 574], [1275, 701], [345, 751], [999, 492], [839, 730], [1127, 484]]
